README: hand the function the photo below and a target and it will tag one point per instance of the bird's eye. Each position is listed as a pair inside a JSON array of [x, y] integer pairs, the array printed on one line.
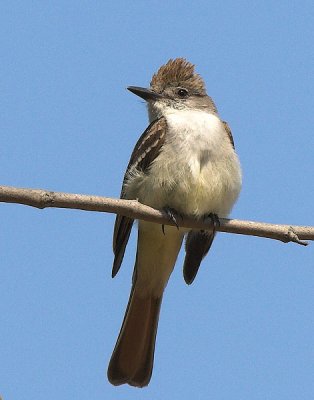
[[182, 92]]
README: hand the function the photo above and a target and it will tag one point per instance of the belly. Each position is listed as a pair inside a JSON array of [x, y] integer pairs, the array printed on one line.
[[190, 187]]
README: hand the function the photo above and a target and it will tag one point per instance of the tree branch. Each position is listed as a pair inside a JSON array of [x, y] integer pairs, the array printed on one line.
[[133, 209]]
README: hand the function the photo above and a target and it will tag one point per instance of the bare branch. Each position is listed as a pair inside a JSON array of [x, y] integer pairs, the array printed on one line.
[[133, 209]]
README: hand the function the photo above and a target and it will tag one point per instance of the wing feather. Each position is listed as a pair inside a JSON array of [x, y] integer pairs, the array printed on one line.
[[145, 151], [228, 130], [197, 246]]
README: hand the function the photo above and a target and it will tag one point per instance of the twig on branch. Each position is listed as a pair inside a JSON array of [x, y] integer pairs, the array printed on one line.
[[133, 209]]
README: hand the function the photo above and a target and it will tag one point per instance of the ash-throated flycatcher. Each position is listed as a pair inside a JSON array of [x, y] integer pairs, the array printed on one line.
[[184, 161]]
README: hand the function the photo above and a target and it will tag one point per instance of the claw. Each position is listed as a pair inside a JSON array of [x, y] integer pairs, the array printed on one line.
[[214, 220], [172, 215]]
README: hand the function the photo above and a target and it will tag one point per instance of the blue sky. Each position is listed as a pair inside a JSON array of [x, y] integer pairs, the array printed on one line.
[[245, 328]]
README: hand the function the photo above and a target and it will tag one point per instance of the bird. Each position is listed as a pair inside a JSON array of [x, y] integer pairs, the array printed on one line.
[[185, 164]]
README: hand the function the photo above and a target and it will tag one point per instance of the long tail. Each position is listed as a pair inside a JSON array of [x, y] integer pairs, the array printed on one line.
[[133, 356]]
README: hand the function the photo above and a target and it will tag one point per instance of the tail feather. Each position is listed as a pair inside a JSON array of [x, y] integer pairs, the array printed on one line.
[[133, 355]]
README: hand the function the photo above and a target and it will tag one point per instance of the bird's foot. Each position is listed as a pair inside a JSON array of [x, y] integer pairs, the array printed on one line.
[[173, 217], [214, 220]]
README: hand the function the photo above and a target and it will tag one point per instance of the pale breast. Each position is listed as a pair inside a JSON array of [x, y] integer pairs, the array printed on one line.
[[197, 171]]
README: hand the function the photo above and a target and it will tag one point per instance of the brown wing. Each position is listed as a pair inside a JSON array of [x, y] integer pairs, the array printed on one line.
[[122, 231], [228, 130], [196, 246], [148, 146], [145, 151]]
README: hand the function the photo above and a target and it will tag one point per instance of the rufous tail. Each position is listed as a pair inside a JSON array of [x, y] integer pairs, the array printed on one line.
[[133, 356]]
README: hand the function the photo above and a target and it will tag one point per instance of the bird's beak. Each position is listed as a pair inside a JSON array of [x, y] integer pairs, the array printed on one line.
[[146, 94]]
